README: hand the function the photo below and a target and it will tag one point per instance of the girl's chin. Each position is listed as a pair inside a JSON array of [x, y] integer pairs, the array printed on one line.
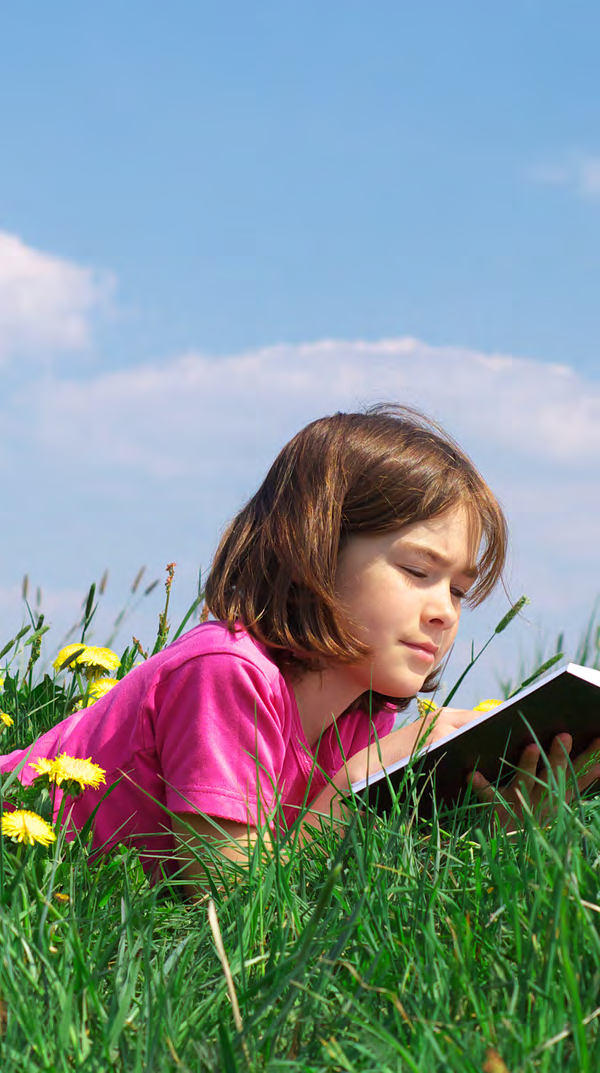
[[400, 690]]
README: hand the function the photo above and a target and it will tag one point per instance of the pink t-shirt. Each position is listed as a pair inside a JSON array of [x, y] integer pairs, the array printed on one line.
[[211, 725]]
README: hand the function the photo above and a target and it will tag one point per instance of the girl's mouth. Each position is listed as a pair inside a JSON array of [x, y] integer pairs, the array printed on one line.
[[423, 652]]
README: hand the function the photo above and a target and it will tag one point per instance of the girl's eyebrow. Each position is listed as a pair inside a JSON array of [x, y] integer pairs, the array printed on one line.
[[436, 557]]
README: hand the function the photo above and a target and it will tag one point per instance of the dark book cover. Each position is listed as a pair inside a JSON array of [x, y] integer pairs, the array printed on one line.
[[566, 700]]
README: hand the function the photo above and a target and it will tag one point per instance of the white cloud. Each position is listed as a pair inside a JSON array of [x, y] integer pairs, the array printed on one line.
[[171, 420], [46, 303], [578, 171]]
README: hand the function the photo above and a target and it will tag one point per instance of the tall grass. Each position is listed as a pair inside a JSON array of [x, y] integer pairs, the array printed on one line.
[[403, 945]]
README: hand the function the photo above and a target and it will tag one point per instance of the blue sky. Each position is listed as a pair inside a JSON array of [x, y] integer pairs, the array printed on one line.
[[195, 199]]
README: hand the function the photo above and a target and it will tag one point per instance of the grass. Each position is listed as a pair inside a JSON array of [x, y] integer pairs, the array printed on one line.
[[406, 945]]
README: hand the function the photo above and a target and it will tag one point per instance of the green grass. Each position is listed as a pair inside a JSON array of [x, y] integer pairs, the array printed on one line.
[[405, 945]]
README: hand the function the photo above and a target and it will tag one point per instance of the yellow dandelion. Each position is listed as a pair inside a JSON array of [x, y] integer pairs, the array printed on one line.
[[25, 826], [100, 659], [43, 766], [92, 660], [6, 719], [64, 655], [424, 707], [487, 705], [70, 772], [69, 769], [100, 688]]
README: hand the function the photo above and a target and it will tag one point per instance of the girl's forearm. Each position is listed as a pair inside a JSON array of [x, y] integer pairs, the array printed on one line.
[[395, 746], [380, 754]]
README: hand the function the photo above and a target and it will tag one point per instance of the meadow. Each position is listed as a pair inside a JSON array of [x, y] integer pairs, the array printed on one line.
[[405, 945]]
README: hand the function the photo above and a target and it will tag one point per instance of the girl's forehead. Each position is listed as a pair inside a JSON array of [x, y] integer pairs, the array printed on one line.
[[458, 522], [454, 535]]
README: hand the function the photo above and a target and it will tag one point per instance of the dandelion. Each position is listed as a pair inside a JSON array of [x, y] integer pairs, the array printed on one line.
[[25, 826], [65, 655], [97, 688], [69, 769], [100, 688], [99, 660], [70, 773], [486, 705], [92, 660], [43, 766], [6, 719]]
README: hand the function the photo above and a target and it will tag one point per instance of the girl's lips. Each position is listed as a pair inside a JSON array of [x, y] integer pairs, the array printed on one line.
[[426, 654]]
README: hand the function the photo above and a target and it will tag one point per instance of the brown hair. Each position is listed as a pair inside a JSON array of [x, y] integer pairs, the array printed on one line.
[[275, 567]]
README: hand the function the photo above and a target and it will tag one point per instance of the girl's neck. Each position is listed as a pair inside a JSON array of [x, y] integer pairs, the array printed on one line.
[[321, 697]]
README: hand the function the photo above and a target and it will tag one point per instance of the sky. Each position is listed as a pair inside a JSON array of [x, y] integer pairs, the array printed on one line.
[[218, 222]]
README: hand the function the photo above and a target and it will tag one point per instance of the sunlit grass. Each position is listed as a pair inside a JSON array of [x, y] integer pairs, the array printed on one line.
[[404, 945]]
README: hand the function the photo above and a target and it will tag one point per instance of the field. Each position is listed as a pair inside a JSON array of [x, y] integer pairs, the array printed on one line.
[[405, 945]]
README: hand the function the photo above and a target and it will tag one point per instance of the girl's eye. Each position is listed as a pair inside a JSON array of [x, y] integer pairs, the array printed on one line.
[[414, 572], [460, 594]]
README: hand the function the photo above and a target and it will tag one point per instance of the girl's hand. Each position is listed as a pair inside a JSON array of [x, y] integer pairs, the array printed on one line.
[[439, 722], [532, 786]]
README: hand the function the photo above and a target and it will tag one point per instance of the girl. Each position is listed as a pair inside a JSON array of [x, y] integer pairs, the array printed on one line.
[[336, 594]]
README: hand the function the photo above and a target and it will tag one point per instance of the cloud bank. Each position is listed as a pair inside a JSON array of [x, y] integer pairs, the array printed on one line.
[[46, 303], [173, 420]]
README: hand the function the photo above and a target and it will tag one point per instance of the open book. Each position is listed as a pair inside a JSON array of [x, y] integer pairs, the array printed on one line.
[[565, 700]]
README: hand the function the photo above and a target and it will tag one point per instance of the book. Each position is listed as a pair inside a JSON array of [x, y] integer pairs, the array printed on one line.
[[567, 699]]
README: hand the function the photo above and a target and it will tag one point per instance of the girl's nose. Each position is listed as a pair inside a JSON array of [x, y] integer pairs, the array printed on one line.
[[443, 608]]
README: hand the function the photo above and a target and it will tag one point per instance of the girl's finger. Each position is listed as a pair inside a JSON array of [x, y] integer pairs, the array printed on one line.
[[527, 768], [484, 790], [587, 765], [558, 755]]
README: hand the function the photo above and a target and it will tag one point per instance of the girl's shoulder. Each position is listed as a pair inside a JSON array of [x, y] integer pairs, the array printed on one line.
[[215, 638]]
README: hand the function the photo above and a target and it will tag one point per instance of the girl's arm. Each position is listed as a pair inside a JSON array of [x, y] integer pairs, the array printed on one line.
[[381, 754], [195, 849], [401, 743]]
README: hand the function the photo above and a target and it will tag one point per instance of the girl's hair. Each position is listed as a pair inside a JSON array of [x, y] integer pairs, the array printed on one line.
[[275, 567]]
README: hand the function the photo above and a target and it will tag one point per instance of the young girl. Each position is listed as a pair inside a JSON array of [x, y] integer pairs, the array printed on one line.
[[336, 594]]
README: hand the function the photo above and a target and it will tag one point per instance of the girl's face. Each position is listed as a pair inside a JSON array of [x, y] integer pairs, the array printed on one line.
[[402, 592]]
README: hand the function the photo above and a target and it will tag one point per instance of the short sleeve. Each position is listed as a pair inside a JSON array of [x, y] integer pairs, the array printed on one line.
[[221, 738]]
